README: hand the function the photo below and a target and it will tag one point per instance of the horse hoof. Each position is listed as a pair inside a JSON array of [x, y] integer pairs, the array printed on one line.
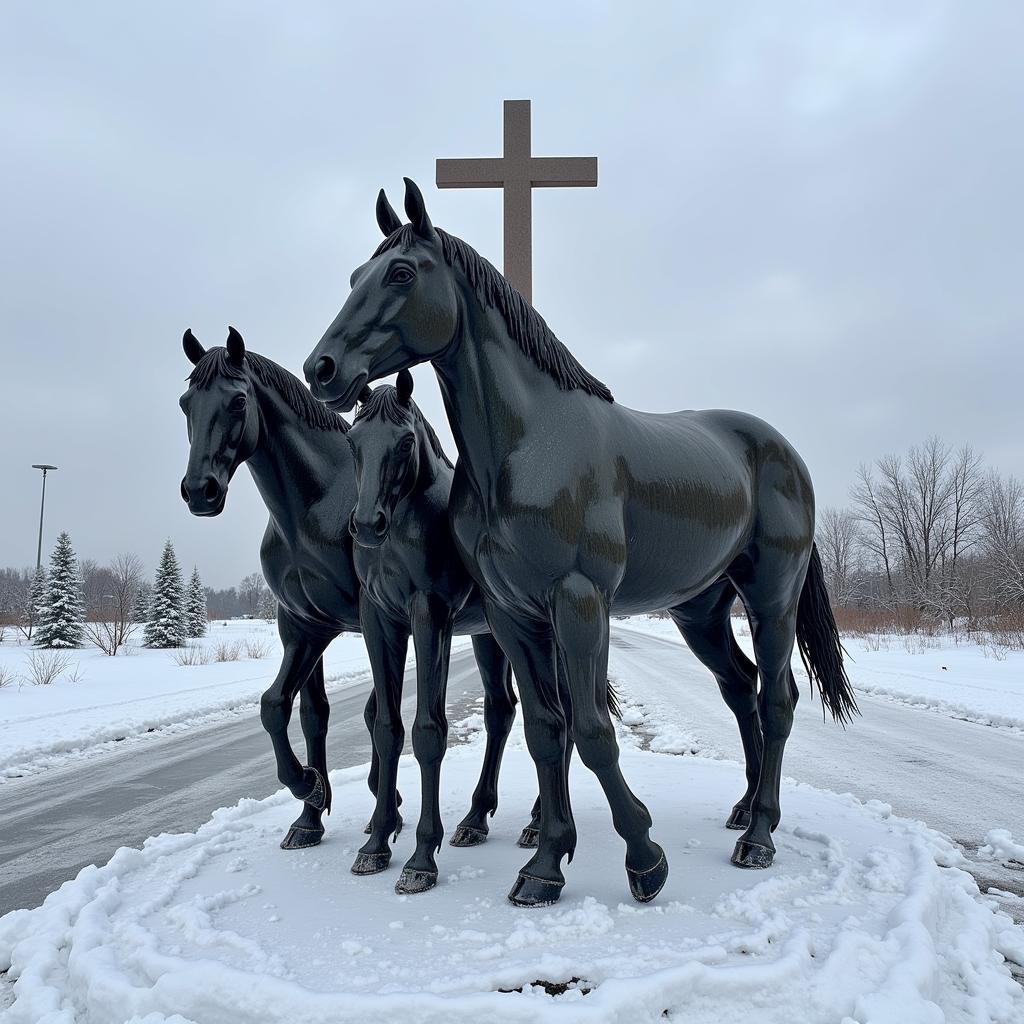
[[299, 838], [528, 838], [412, 881], [466, 836], [739, 819], [752, 855], [530, 891], [318, 798], [645, 885], [371, 863]]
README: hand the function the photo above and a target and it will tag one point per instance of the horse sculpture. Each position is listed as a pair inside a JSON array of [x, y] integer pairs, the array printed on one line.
[[243, 408], [414, 583], [566, 507]]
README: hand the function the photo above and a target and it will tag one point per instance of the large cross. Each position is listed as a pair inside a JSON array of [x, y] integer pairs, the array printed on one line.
[[518, 173]]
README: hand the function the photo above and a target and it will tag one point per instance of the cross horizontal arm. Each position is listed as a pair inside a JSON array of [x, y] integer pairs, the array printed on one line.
[[481, 172], [563, 171]]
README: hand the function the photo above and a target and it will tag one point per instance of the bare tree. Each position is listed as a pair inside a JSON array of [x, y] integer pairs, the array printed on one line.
[[837, 537], [114, 621], [250, 590], [868, 508], [1002, 521]]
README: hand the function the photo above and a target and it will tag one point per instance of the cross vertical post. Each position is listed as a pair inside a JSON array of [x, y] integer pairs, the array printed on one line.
[[517, 172]]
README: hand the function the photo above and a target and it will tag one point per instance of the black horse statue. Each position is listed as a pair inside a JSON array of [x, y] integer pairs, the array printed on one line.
[[414, 583], [566, 507], [243, 408]]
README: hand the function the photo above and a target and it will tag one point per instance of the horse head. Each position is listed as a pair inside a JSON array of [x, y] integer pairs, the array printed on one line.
[[402, 310], [223, 421]]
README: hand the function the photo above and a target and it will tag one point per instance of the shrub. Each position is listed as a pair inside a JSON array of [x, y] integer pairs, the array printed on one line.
[[256, 648], [45, 666], [190, 655], [227, 651]]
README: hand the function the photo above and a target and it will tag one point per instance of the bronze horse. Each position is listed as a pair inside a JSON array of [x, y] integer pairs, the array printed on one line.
[[567, 506], [243, 408]]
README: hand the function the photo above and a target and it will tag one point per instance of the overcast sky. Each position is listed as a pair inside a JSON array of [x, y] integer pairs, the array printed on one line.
[[809, 211]]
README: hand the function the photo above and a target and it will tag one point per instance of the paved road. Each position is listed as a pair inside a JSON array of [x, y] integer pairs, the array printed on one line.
[[959, 777], [54, 823]]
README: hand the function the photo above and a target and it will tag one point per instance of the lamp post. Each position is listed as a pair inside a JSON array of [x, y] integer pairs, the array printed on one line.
[[42, 505]]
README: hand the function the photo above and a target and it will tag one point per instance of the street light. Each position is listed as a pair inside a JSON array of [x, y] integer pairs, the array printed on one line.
[[42, 504]]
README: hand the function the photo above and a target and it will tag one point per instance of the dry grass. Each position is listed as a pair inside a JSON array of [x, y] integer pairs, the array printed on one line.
[[191, 655], [257, 648], [227, 651]]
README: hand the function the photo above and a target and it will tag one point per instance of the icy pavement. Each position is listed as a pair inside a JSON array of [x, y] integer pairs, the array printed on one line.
[[865, 917]]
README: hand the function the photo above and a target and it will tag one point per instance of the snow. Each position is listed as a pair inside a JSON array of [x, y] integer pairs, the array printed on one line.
[[962, 680], [1000, 846], [143, 692], [865, 917]]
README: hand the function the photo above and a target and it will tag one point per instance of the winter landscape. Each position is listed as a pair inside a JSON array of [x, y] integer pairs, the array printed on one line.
[[590, 709]]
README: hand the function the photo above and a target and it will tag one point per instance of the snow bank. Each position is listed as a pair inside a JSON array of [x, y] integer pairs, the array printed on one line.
[[865, 917], [144, 693], [932, 673]]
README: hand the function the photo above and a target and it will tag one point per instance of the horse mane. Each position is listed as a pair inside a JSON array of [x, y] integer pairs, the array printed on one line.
[[524, 323], [216, 363], [382, 403]]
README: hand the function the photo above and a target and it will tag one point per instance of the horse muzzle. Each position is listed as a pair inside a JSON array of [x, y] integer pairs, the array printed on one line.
[[372, 533], [204, 496]]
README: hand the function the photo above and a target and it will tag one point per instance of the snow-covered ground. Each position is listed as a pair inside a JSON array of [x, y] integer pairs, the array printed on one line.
[[99, 701], [865, 917], [972, 681]]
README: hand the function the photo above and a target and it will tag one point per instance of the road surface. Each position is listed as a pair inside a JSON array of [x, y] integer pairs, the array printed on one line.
[[959, 777], [56, 822]]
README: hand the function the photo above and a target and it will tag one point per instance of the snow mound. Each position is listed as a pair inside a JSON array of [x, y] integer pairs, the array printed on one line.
[[1000, 846], [864, 917]]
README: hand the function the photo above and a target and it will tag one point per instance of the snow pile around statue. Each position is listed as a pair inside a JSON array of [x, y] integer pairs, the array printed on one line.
[[865, 917]]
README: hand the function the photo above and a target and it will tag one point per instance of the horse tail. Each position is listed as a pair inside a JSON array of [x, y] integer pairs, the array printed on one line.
[[612, 696], [821, 650]]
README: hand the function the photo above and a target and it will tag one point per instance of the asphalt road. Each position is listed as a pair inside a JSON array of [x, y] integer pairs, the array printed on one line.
[[959, 777], [56, 822]]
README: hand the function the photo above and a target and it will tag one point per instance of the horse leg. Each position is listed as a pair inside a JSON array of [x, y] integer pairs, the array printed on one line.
[[499, 713], [704, 624], [301, 654], [531, 650], [772, 607], [373, 779], [580, 615], [314, 711], [432, 624], [386, 645], [528, 837]]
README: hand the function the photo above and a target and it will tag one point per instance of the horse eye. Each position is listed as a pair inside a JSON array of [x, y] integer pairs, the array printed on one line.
[[237, 403], [400, 275], [407, 443]]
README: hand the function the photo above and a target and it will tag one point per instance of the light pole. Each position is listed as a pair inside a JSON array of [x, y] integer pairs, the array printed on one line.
[[42, 504]]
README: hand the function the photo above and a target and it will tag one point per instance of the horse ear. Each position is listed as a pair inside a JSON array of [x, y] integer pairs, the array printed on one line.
[[190, 343], [416, 210], [387, 220], [236, 347], [365, 394], [404, 386]]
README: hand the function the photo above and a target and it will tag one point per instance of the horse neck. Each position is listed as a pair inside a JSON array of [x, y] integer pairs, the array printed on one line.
[[294, 464], [490, 389]]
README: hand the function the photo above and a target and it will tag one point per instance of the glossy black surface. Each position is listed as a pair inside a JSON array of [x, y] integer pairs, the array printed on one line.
[[566, 506]]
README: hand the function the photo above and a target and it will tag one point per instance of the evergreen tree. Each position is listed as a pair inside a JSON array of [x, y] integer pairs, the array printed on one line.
[[36, 600], [62, 617], [267, 606], [166, 625], [195, 606], [142, 599]]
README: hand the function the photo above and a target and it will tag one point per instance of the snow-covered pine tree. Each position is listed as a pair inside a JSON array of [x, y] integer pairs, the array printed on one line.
[[36, 600], [195, 606], [142, 598], [166, 624], [62, 617], [267, 608]]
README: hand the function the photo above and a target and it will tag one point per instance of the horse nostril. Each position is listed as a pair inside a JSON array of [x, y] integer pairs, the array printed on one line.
[[324, 370], [211, 490], [184, 490], [380, 524]]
